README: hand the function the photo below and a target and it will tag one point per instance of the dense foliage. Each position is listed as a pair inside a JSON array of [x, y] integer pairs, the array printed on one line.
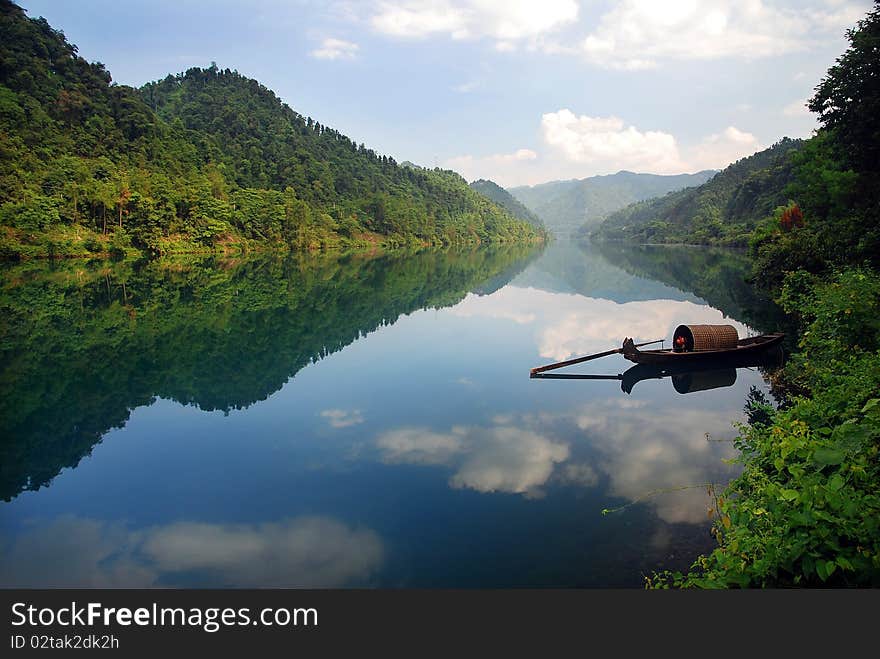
[[204, 159], [506, 200], [565, 206], [848, 99], [806, 509], [83, 344], [837, 175], [722, 211]]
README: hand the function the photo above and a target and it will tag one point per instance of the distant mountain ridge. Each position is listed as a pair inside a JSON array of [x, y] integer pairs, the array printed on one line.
[[566, 206], [723, 210]]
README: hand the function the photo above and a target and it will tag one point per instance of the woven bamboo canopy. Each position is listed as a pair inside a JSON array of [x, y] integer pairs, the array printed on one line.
[[706, 337]]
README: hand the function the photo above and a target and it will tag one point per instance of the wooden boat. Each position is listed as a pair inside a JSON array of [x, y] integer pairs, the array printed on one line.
[[687, 377], [695, 344]]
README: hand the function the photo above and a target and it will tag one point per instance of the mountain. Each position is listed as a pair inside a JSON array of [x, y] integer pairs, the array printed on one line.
[[722, 210], [201, 160], [565, 206], [506, 200]]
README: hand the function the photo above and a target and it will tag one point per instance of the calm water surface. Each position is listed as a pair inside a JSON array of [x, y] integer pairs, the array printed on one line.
[[358, 421]]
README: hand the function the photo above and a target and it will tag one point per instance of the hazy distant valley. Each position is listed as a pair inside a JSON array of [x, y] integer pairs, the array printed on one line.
[[566, 206]]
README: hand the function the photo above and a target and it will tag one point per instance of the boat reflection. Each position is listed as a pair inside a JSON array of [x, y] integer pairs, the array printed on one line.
[[685, 379]]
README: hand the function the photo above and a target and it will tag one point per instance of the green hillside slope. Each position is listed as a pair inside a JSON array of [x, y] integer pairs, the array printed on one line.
[[506, 200], [203, 160], [722, 210]]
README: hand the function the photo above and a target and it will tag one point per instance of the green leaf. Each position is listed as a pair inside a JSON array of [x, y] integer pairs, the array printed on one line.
[[871, 404], [828, 456], [789, 495], [821, 570], [836, 482]]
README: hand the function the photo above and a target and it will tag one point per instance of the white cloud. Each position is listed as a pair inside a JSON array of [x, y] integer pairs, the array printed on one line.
[[839, 15], [505, 21], [656, 454], [608, 144], [466, 87], [578, 146], [333, 49], [500, 458], [644, 450], [472, 306], [796, 109], [580, 474], [503, 168], [719, 150], [421, 446], [343, 418], [640, 34], [602, 145], [508, 459], [304, 552], [567, 325]]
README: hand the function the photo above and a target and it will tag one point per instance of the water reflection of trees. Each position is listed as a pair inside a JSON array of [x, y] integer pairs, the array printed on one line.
[[718, 276], [81, 345], [580, 268]]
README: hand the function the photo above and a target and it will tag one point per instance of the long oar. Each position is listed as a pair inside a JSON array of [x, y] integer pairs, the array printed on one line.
[[578, 360], [575, 376]]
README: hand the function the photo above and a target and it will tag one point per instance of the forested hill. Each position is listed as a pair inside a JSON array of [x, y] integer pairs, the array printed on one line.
[[724, 210], [565, 206], [203, 159], [503, 198]]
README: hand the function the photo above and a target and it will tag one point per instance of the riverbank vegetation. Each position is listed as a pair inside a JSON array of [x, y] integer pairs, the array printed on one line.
[[806, 509], [722, 211], [201, 161]]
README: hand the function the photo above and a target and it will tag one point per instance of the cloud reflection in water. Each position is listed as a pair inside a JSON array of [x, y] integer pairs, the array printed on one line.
[[494, 459], [568, 324], [304, 552], [632, 447]]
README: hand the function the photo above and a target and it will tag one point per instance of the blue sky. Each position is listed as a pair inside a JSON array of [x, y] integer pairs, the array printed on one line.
[[520, 91]]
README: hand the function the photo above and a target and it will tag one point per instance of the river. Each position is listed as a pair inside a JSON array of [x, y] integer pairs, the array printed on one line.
[[360, 420]]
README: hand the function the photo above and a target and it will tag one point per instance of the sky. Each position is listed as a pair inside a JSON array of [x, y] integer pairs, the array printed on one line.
[[517, 91]]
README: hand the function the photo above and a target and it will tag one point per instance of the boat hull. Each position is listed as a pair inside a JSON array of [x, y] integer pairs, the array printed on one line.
[[745, 350]]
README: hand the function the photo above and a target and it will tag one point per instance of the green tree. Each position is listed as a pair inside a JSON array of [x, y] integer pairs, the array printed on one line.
[[847, 99]]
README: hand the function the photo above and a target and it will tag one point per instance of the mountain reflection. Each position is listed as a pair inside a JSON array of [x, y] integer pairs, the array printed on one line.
[[718, 276], [421, 456], [81, 345], [580, 268]]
